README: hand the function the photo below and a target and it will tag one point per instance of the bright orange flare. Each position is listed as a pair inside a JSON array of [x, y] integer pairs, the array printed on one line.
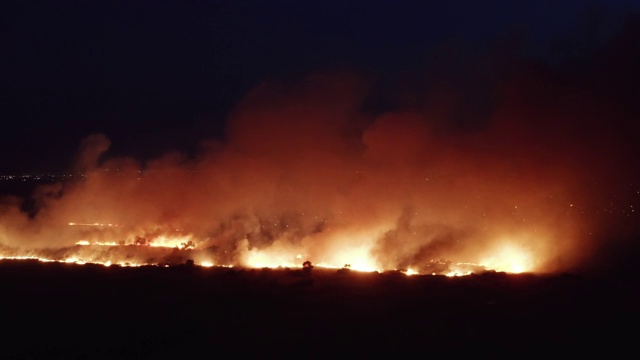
[[510, 259], [353, 251]]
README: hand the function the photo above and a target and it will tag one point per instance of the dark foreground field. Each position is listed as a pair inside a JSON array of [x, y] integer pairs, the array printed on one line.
[[52, 310]]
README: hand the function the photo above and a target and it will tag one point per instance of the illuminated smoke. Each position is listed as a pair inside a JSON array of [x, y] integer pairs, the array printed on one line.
[[543, 182]]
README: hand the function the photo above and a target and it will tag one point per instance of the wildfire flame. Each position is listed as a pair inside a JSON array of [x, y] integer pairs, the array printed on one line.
[[507, 258], [304, 175]]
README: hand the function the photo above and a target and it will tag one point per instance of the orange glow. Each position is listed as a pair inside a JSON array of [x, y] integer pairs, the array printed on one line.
[[411, 272], [358, 258], [180, 242], [509, 258], [295, 179], [356, 254]]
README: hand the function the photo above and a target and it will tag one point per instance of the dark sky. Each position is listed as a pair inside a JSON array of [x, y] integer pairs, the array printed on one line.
[[160, 75]]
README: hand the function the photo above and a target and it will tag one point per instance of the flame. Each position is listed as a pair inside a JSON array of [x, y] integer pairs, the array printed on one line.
[[345, 250], [259, 259], [269, 259], [356, 258], [96, 243], [173, 241], [509, 258], [93, 224], [411, 272], [180, 242]]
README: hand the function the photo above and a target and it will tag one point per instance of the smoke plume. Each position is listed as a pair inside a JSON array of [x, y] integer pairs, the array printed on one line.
[[544, 177]]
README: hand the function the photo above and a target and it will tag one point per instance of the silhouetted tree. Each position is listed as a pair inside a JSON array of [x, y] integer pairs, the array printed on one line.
[[307, 267], [345, 269]]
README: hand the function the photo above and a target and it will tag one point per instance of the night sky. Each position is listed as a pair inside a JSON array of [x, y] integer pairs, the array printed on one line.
[[380, 134], [155, 76]]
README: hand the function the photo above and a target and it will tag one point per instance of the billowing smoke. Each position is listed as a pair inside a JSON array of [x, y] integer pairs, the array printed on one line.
[[542, 178]]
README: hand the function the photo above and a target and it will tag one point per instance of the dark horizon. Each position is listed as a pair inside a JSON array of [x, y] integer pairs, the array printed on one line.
[[183, 311]]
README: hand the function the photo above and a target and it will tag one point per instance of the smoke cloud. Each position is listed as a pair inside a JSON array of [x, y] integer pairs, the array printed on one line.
[[544, 177]]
